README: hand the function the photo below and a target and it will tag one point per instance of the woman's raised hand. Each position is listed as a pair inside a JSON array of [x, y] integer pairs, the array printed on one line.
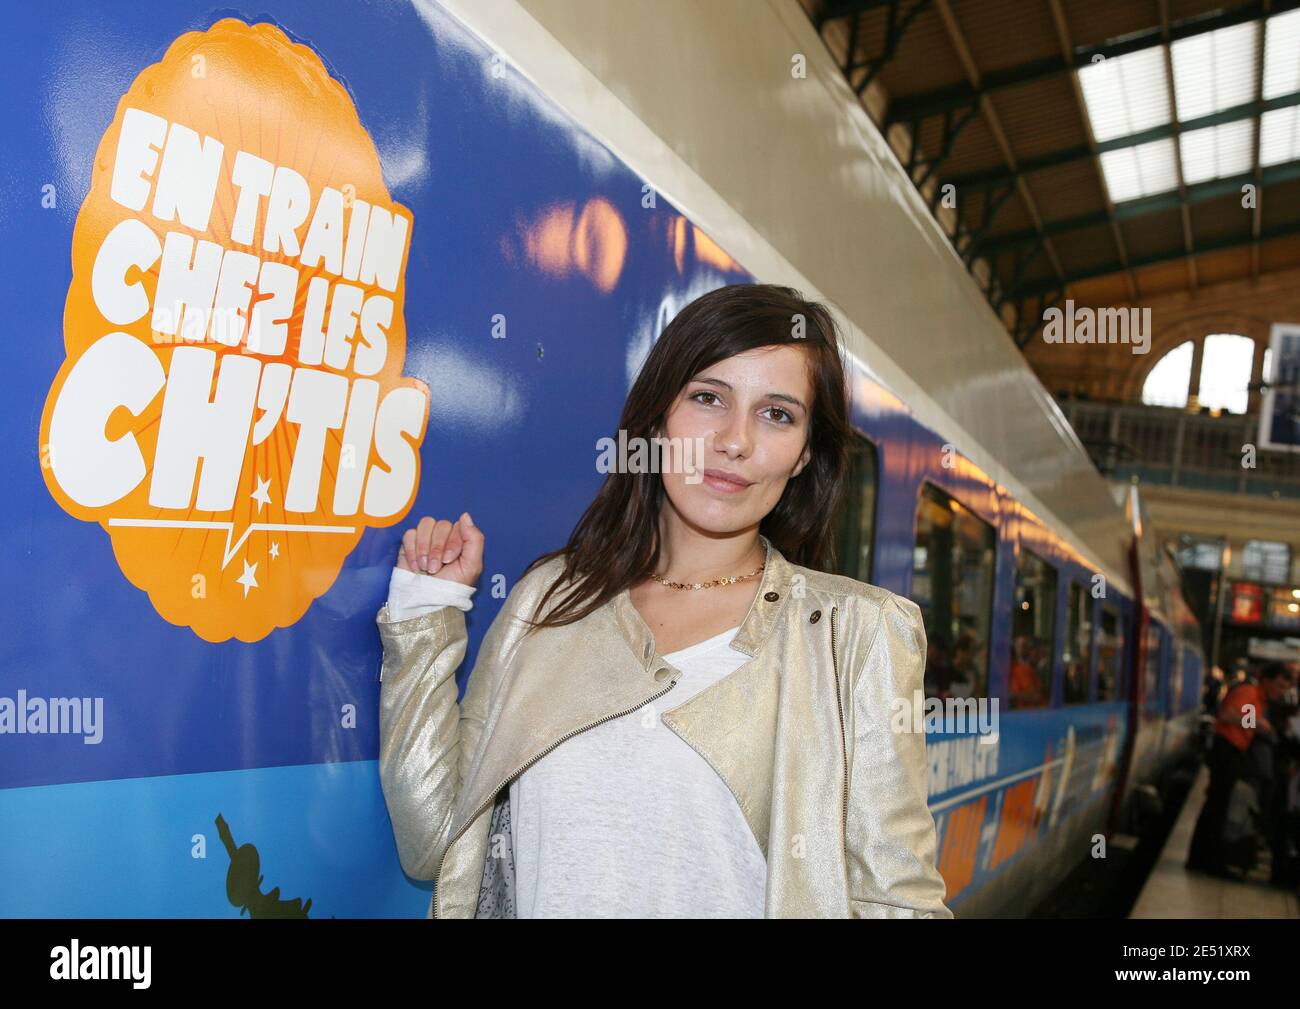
[[451, 550]]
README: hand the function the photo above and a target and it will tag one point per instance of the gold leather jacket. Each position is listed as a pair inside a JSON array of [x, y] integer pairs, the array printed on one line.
[[801, 734]]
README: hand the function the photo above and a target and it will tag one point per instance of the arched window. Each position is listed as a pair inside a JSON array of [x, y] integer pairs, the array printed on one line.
[[1225, 372], [1167, 383], [1222, 383]]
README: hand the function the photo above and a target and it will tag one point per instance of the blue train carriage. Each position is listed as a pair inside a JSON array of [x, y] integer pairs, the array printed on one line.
[[1059, 725]]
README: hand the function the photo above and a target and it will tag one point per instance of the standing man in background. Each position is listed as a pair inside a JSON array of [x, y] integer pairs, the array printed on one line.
[[1242, 712]]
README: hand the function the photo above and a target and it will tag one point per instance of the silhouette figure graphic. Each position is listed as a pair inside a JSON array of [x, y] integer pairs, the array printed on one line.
[[244, 882]]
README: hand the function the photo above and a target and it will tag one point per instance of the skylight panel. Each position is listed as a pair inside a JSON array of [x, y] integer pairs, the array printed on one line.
[[1282, 54], [1216, 70], [1134, 172], [1126, 94], [1278, 131], [1217, 152]]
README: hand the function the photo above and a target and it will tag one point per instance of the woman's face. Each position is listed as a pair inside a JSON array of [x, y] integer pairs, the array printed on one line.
[[751, 414]]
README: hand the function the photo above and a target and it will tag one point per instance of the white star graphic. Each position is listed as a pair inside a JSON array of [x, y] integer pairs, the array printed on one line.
[[260, 495], [275, 550], [247, 579]]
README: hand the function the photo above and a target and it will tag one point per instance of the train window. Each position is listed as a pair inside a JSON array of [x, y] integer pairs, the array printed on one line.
[[1151, 670], [855, 526], [1078, 645], [1110, 654], [1033, 627], [952, 583]]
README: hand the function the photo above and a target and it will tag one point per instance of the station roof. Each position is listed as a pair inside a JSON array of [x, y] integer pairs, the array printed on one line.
[[1101, 150]]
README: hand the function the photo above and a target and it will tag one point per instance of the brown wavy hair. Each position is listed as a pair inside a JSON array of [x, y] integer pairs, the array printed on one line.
[[615, 543]]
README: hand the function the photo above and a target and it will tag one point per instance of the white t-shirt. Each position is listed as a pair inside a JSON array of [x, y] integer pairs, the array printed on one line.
[[625, 819]]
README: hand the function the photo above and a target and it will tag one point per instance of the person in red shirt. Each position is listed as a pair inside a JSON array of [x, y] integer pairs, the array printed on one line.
[[1241, 715], [1026, 685]]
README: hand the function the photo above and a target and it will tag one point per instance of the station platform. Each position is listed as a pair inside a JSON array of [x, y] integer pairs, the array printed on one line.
[[1173, 892]]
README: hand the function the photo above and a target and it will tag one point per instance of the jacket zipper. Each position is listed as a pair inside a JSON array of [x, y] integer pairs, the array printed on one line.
[[844, 746], [437, 875]]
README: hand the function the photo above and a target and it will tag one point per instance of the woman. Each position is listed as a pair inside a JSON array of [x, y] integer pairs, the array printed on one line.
[[784, 776]]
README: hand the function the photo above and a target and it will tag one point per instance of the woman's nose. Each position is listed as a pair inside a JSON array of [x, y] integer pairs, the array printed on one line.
[[733, 438]]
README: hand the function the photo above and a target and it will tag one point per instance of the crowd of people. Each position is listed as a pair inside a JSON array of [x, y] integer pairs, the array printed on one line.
[[1253, 802]]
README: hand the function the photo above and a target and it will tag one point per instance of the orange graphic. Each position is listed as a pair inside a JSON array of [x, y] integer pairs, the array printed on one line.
[[1016, 818], [232, 409], [960, 845]]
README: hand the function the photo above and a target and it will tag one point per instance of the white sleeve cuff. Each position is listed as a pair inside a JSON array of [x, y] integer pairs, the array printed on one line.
[[412, 594]]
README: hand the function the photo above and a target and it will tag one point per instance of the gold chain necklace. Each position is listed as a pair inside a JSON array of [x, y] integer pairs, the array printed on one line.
[[708, 585]]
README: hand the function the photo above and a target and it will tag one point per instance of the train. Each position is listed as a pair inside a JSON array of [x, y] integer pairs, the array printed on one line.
[[293, 276], [1095, 687]]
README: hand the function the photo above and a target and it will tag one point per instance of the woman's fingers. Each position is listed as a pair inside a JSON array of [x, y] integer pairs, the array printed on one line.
[[451, 550], [407, 559], [438, 545], [471, 550], [423, 535], [467, 563]]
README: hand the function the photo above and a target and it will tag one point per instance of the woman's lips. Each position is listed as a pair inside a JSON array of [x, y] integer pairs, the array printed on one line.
[[720, 481]]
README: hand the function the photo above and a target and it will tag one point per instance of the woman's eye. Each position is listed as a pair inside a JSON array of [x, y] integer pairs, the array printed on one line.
[[704, 392], [789, 417]]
